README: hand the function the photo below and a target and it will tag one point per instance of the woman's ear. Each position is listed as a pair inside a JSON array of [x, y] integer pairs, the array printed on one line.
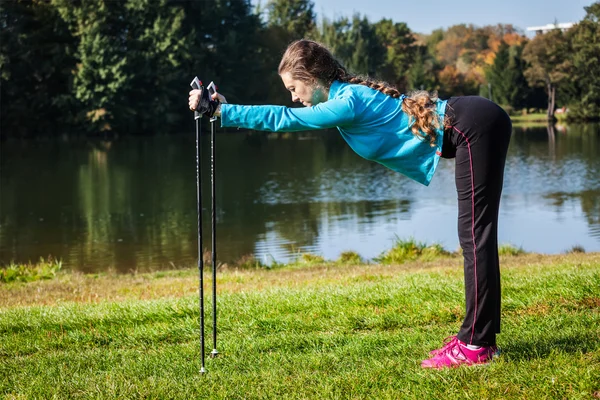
[[316, 83]]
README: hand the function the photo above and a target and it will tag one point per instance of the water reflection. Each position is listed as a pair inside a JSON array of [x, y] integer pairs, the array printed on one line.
[[130, 204], [587, 200]]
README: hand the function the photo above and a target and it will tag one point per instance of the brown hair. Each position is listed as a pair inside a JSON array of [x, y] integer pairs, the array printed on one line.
[[310, 62]]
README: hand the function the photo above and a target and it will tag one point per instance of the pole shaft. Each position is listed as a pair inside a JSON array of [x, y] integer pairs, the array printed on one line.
[[214, 233], [200, 258]]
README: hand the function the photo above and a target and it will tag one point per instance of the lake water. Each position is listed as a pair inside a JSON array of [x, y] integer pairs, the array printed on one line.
[[130, 203]]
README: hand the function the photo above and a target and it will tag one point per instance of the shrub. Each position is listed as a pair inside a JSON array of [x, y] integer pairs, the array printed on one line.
[[308, 258], [250, 261], [510, 250], [349, 257], [44, 269], [576, 249], [410, 250]]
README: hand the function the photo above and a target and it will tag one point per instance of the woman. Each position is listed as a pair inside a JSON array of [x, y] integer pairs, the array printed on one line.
[[407, 134]]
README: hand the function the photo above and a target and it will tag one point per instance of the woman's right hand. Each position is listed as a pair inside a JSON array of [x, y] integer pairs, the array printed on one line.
[[196, 94]]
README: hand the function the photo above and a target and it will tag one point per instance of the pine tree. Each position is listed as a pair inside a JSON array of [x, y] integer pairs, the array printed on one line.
[[584, 72], [400, 52], [295, 17], [36, 59], [421, 74]]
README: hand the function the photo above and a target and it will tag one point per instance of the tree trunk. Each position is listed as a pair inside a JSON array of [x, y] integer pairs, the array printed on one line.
[[549, 93], [551, 101]]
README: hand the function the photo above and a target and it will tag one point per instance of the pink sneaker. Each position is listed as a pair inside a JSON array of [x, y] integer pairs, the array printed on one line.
[[449, 341], [456, 353]]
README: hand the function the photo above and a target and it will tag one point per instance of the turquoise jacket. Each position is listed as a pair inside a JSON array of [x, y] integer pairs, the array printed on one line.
[[372, 123]]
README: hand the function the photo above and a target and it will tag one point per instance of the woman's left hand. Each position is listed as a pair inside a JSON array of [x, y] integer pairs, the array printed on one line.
[[221, 99]]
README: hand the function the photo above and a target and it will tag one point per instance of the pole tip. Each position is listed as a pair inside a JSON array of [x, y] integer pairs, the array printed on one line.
[[214, 353], [202, 370]]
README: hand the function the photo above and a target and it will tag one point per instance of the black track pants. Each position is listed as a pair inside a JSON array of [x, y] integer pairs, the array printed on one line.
[[478, 138]]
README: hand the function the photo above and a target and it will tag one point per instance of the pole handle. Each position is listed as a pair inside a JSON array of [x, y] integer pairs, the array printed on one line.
[[212, 89], [196, 84]]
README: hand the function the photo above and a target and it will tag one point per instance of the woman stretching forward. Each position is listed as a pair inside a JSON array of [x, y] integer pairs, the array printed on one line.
[[407, 134]]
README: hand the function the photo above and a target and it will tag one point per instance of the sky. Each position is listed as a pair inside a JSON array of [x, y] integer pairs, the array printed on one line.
[[424, 16]]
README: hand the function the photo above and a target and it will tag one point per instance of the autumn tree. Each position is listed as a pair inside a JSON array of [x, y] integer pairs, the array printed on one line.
[[465, 52]]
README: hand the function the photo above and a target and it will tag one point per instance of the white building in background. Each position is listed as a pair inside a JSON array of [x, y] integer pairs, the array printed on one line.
[[565, 26]]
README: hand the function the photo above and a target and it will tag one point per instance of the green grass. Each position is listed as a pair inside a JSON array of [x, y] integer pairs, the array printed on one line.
[[318, 332]]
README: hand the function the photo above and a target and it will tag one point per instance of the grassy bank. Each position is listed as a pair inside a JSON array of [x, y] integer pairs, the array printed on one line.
[[302, 332], [535, 119]]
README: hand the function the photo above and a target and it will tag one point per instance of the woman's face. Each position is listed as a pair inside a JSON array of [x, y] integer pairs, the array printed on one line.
[[305, 93]]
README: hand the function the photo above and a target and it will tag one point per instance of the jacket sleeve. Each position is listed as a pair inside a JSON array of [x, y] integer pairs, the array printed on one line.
[[329, 114]]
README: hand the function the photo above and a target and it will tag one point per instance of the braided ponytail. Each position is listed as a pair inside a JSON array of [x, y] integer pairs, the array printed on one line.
[[380, 86], [421, 108], [309, 62]]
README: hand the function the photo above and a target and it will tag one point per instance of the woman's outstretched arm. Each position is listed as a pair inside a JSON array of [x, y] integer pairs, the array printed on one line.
[[329, 114]]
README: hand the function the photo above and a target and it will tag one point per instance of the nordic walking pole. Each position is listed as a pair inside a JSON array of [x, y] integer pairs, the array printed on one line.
[[196, 84], [211, 90]]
